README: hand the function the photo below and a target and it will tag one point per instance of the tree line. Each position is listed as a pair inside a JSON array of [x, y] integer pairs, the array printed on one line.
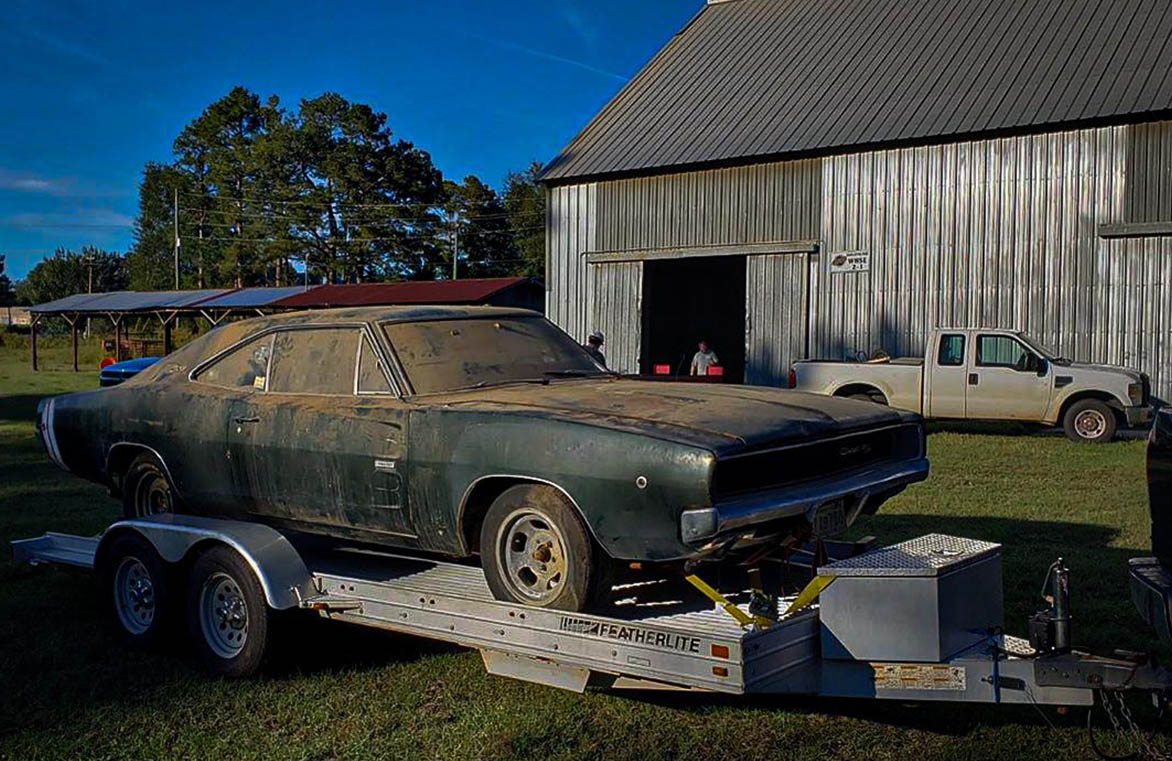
[[323, 193]]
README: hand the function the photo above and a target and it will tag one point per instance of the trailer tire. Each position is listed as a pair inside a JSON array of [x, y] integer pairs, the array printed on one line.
[[536, 551], [146, 491], [136, 578], [227, 614], [1089, 421]]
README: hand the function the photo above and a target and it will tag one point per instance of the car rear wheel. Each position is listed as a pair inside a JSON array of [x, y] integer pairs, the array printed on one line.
[[536, 551], [135, 577], [145, 488], [1089, 422], [227, 614]]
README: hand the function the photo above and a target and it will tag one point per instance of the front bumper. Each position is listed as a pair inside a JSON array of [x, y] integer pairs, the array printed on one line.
[[1139, 416], [738, 514]]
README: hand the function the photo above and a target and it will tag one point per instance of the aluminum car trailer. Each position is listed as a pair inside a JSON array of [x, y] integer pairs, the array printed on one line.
[[916, 621]]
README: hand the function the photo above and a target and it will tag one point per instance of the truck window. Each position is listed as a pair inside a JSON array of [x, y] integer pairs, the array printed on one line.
[[951, 350], [316, 361], [1001, 351]]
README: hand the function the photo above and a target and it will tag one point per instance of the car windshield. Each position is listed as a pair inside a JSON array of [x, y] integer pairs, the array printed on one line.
[[1039, 347], [450, 355]]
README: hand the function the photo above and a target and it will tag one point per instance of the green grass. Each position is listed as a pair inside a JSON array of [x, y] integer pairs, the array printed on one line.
[[68, 689]]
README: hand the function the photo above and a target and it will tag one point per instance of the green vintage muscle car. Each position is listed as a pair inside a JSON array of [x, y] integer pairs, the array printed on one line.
[[487, 431]]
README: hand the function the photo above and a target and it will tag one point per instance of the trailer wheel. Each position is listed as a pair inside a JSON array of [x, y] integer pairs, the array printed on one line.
[[135, 576], [227, 613], [145, 488], [1089, 422], [535, 551]]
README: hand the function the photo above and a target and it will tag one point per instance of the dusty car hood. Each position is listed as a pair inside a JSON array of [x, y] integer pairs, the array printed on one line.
[[714, 416]]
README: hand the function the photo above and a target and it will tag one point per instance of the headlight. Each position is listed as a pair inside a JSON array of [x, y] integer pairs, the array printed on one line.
[[1135, 392]]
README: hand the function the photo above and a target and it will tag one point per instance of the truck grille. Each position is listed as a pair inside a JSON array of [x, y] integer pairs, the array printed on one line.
[[781, 466]]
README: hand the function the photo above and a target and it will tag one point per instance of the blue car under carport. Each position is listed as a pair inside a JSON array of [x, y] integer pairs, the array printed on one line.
[[117, 373]]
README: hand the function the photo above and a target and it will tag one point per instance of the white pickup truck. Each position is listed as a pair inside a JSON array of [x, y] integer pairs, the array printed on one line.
[[988, 374]]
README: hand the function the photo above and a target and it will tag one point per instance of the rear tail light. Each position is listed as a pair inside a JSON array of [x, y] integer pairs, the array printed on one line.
[[793, 378]]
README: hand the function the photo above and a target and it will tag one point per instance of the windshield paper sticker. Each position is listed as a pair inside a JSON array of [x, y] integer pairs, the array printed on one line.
[[677, 642]]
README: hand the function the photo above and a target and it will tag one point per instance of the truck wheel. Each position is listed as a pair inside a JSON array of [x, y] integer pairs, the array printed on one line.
[[227, 613], [135, 577], [145, 488], [1089, 422], [535, 551]]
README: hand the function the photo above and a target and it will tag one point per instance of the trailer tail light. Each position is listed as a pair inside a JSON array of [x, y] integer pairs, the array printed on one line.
[[663, 369], [793, 378], [716, 370], [720, 651]]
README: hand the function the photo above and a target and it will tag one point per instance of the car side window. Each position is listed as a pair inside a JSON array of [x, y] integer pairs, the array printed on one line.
[[1002, 351], [244, 367], [951, 350], [371, 379], [314, 361]]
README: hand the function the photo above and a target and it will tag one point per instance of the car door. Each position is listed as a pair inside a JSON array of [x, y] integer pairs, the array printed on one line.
[[316, 450], [1006, 380], [947, 377]]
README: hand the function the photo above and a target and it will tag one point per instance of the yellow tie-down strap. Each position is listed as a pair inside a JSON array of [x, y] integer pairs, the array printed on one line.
[[741, 617], [808, 595]]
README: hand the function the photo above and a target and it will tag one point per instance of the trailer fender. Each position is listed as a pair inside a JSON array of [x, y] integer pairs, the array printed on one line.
[[278, 566]]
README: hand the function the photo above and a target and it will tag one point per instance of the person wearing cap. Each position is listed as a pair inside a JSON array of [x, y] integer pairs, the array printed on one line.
[[593, 347]]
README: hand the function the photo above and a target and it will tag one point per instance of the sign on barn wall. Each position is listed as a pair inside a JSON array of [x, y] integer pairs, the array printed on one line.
[[850, 261]]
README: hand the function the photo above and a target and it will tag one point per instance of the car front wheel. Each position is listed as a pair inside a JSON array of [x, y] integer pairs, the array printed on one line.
[[1089, 422], [536, 551]]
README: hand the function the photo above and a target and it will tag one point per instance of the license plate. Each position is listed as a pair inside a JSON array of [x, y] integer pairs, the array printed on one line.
[[830, 519]]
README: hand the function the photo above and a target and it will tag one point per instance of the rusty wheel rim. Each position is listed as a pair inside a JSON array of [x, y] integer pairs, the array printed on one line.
[[531, 555]]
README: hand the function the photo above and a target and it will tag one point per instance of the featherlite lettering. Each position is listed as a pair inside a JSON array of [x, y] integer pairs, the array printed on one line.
[[663, 640]]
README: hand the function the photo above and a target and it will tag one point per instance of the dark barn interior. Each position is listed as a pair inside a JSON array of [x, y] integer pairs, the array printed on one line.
[[685, 300]]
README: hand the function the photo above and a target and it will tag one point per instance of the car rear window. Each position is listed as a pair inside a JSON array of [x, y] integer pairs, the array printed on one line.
[[314, 361], [448, 355]]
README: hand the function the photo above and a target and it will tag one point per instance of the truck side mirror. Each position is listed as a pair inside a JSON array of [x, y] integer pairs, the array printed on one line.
[[1043, 367]]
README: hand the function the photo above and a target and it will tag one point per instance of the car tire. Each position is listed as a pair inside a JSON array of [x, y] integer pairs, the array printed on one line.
[[1089, 422], [227, 614], [146, 490], [535, 551], [135, 577]]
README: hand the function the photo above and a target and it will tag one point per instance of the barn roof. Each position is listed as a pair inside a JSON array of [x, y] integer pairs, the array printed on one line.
[[767, 79]]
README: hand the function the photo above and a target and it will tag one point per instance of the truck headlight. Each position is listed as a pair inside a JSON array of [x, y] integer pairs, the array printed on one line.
[[1135, 392]]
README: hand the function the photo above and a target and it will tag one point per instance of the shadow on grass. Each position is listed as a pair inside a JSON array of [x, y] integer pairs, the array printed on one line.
[[57, 623]]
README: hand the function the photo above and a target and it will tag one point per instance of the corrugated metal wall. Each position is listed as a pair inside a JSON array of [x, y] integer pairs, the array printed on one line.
[[998, 233], [755, 204], [616, 311], [985, 233], [777, 296]]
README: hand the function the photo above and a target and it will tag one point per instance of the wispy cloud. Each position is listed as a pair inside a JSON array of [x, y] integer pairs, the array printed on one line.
[[573, 16], [24, 182], [514, 47], [66, 47], [82, 219]]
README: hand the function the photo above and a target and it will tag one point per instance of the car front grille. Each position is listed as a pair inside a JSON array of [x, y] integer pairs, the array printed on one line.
[[773, 467]]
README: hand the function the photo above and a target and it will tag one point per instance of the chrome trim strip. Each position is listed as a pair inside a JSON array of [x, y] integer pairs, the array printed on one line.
[[803, 498], [50, 435]]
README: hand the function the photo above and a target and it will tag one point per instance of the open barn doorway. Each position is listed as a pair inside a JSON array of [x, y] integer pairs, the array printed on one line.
[[686, 300]]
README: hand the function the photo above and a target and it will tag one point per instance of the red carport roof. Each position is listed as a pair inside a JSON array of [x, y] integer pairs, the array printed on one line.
[[412, 292]]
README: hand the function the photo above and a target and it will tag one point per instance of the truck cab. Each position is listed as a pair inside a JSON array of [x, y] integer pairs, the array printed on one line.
[[992, 374]]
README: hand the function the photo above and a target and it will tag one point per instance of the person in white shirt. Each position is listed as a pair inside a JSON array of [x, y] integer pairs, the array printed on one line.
[[704, 359]]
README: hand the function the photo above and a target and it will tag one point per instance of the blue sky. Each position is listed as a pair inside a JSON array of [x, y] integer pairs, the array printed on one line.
[[92, 91]]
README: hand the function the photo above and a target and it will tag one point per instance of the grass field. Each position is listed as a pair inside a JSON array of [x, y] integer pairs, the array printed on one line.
[[69, 690]]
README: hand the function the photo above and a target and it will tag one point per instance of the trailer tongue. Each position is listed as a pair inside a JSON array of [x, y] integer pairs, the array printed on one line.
[[919, 620]]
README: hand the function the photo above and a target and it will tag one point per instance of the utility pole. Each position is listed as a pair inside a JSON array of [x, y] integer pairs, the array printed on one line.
[[456, 244], [175, 216]]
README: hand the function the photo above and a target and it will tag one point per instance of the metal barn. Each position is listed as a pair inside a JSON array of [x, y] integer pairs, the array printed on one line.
[[794, 178]]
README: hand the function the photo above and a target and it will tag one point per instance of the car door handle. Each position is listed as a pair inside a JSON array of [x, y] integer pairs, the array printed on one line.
[[974, 379], [243, 420]]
